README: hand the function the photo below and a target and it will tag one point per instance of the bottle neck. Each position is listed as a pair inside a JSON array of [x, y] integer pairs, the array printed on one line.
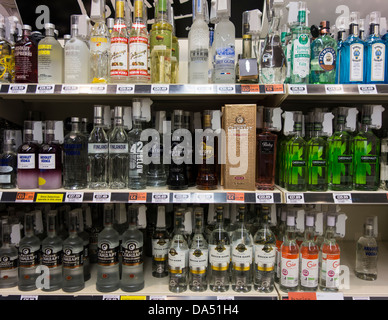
[[290, 232], [340, 123], [302, 17], [317, 129], [98, 122], [329, 234], [354, 29], [247, 47], [161, 13], [138, 12], [309, 233], [137, 124], [75, 127], [374, 30], [50, 33]]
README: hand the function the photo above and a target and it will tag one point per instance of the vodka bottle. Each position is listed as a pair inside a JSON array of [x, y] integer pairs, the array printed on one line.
[[50, 160], [118, 153], [132, 275], [8, 259], [198, 255], [264, 247], [73, 255], [52, 253], [84, 235], [160, 245], [50, 58], [178, 255], [242, 255], [367, 252], [75, 158], [27, 176], [199, 45], [108, 274], [26, 58], [174, 50], [99, 44], [219, 255], [8, 165], [110, 23], [280, 235], [6, 56], [98, 148]]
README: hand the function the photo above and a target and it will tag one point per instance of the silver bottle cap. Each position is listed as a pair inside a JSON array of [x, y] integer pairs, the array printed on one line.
[[98, 111], [74, 119], [49, 26], [27, 27], [118, 112]]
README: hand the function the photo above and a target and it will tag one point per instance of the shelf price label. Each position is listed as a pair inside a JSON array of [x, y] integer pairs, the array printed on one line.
[[274, 88], [295, 198], [180, 197], [49, 197], [367, 89], [203, 197], [160, 89], [235, 197], [226, 89], [69, 89], [98, 89], [101, 197], [160, 197], [342, 198], [17, 89], [250, 88], [137, 197], [74, 197], [334, 88], [125, 89], [110, 297], [25, 197], [45, 88], [297, 89], [202, 89], [264, 197]]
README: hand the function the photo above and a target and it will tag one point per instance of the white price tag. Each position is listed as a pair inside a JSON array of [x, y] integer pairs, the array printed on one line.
[[226, 89], [203, 197], [342, 198], [160, 197], [295, 198], [74, 197], [17, 89], [125, 89], [69, 89], [367, 89], [181, 197], [101, 197], [330, 296], [264, 197], [158, 297], [98, 89], [201, 89], [225, 297], [45, 88], [160, 89], [110, 297], [28, 297], [297, 89], [334, 88]]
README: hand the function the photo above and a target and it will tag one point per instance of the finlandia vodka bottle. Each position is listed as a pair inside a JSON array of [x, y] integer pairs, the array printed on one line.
[[73, 256], [219, 255], [98, 153], [160, 245], [178, 255], [132, 274], [367, 252], [29, 255], [108, 273], [52, 253], [75, 158], [264, 247], [198, 255], [118, 153], [8, 259]]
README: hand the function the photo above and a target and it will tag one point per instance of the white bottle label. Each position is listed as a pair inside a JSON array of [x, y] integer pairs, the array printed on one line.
[[356, 62], [160, 248], [26, 161], [5, 178], [47, 161], [242, 256], [330, 269], [99, 44], [224, 63], [309, 271], [116, 148], [301, 56], [265, 257], [198, 259], [378, 62], [289, 265], [119, 56], [177, 258], [219, 256], [138, 58], [94, 148]]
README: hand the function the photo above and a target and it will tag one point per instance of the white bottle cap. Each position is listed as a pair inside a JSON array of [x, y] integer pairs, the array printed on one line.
[[136, 109], [223, 7], [161, 217], [330, 221], [310, 221], [375, 17], [290, 220], [292, 13]]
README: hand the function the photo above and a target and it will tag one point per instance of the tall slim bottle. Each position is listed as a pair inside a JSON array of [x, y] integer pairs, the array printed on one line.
[[6, 56], [160, 245], [384, 163], [174, 50], [8, 259], [280, 236], [85, 236], [26, 58], [8, 164]]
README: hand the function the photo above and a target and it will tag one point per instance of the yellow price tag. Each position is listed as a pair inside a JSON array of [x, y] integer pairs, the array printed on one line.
[[133, 297], [47, 197]]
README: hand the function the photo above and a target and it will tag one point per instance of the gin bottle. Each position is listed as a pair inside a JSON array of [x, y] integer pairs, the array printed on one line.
[[52, 253], [73, 256], [8, 259], [341, 37], [8, 165], [98, 149], [178, 255], [367, 252], [160, 245], [6, 56], [132, 274], [75, 158], [50, 58], [108, 274], [384, 163], [118, 153], [242, 255], [26, 58]]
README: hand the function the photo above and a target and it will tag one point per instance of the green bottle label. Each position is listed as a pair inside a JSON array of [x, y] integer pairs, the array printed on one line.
[[162, 40], [302, 17]]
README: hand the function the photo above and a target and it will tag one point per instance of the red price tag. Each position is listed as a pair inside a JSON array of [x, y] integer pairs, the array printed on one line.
[[25, 196], [235, 197], [137, 197], [302, 296], [250, 88], [274, 88]]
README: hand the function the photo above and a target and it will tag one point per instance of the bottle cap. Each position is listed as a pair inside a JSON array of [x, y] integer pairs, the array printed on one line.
[[27, 27], [97, 10], [118, 112], [136, 108], [330, 221], [354, 17], [375, 17], [290, 220], [310, 221], [48, 26], [98, 111], [110, 22]]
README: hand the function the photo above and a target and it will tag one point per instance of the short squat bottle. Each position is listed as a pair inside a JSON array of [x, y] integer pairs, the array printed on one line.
[[8, 260]]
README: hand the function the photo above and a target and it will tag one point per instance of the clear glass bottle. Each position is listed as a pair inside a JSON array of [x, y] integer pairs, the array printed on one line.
[[108, 273], [75, 158], [341, 37], [280, 236], [174, 51], [84, 235], [50, 58], [8, 259], [6, 56], [367, 252], [384, 163], [52, 252], [26, 58], [8, 164], [98, 149], [160, 245], [132, 274]]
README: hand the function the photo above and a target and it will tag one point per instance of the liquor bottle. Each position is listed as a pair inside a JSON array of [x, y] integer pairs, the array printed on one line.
[[108, 274], [77, 57], [52, 253], [309, 258], [138, 46], [367, 252], [177, 176], [352, 55], [8, 164], [219, 255], [330, 259], [174, 50], [132, 274], [280, 235], [75, 158], [178, 255], [224, 45], [73, 257], [27, 175], [85, 236], [384, 162], [198, 254], [247, 66], [50, 58], [289, 263], [301, 49], [323, 57], [118, 153], [287, 47], [8, 258], [375, 52], [160, 245], [110, 23], [340, 159], [50, 160], [137, 174], [6, 56], [98, 148], [296, 158], [198, 39], [99, 44], [264, 255], [266, 153], [191, 168], [317, 154], [242, 255], [341, 37], [26, 58], [361, 33], [207, 164], [366, 170], [119, 49], [161, 43]]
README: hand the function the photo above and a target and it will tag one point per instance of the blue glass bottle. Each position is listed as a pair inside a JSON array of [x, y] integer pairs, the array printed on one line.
[[375, 53], [340, 43], [352, 55]]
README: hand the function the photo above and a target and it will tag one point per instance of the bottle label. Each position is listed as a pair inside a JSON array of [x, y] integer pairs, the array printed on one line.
[[161, 40], [160, 249], [132, 253], [73, 258], [301, 56], [118, 148], [330, 269], [356, 62], [298, 163], [95, 148], [138, 58], [199, 56], [309, 270], [327, 59], [198, 260], [46, 161], [119, 56], [99, 44], [318, 163], [51, 257], [5, 178], [267, 147], [108, 253], [369, 159], [242, 256], [29, 257], [378, 62], [219, 256], [136, 157], [26, 161], [289, 270], [8, 262], [345, 159], [23, 62], [224, 62], [265, 257], [177, 259]]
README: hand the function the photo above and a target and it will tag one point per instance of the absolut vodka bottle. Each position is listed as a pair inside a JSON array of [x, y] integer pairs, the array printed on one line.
[[160, 245], [8, 259]]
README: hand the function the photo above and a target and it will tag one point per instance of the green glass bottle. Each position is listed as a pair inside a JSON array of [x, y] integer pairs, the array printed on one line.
[[366, 173], [340, 159], [296, 158]]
